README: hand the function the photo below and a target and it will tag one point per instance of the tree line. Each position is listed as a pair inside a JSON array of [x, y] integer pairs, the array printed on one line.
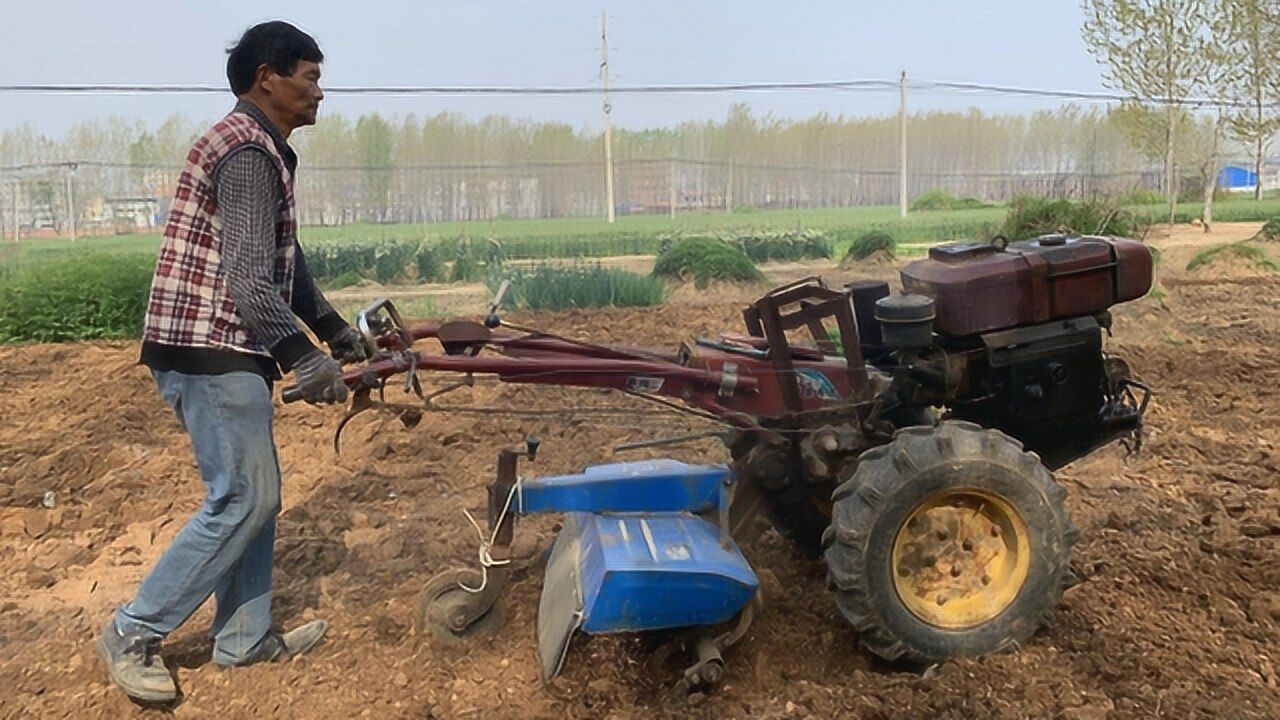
[[1068, 139], [1167, 52], [1171, 52]]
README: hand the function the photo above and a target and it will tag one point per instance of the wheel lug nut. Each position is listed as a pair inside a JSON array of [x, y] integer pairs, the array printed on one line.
[[955, 571], [986, 580]]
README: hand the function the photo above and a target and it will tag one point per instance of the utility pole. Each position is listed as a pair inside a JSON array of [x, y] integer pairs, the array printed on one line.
[[608, 122], [17, 226], [728, 187], [671, 188], [71, 199], [902, 145]]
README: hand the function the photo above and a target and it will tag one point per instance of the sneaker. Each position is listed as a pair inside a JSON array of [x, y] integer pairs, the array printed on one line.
[[277, 647], [135, 665]]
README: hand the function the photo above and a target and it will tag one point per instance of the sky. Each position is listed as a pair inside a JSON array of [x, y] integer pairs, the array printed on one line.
[[403, 42]]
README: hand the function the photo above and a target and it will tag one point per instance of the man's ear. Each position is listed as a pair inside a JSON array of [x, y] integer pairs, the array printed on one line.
[[261, 76]]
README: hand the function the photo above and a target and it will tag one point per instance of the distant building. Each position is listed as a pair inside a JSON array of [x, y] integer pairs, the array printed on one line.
[[1234, 177], [131, 214]]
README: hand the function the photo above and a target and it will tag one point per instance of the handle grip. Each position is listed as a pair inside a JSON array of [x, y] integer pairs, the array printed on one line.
[[368, 376], [294, 393]]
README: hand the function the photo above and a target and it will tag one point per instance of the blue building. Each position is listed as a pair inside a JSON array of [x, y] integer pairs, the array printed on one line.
[[1234, 177]]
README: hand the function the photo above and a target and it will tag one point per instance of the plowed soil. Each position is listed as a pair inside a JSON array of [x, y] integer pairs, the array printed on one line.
[[1177, 614]]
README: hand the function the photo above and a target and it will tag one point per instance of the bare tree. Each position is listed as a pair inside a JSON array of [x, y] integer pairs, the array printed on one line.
[[1247, 36], [1203, 148], [1155, 50], [1198, 141], [373, 143]]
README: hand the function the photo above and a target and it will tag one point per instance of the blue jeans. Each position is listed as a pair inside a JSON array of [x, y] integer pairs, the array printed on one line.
[[226, 548]]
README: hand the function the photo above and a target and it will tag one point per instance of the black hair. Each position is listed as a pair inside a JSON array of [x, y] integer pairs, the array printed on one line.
[[276, 44]]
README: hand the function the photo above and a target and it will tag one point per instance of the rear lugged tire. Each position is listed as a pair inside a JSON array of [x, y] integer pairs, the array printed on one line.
[[948, 540]]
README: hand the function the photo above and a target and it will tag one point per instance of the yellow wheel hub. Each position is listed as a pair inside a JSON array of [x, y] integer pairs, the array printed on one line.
[[960, 559]]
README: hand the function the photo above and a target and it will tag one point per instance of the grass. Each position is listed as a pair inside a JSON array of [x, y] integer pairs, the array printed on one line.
[[911, 251], [870, 243], [1235, 210], [1270, 232], [345, 280], [83, 297], [591, 237], [640, 234], [558, 288], [1031, 216], [1251, 254], [416, 308], [704, 259], [942, 200], [783, 246], [91, 288], [465, 269]]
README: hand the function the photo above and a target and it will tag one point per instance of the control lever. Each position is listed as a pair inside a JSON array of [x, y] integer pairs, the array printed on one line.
[[491, 320], [531, 445], [372, 327]]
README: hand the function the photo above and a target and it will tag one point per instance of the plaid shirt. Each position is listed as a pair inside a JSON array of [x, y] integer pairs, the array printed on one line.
[[230, 270]]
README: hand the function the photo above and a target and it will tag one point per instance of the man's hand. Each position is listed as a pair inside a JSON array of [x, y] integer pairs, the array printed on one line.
[[348, 346], [320, 379]]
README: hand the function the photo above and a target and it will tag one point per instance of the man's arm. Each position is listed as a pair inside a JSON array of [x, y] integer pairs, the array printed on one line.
[[310, 304], [249, 196]]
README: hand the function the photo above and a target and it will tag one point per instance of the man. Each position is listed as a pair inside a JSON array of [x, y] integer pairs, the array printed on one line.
[[219, 328]]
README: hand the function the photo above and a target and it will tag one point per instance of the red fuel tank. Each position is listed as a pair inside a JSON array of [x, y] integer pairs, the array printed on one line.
[[979, 287]]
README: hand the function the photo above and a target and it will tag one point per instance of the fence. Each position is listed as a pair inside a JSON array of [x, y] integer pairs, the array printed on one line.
[[106, 198]]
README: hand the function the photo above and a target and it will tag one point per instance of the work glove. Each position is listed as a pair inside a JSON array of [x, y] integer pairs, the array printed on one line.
[[320, 378], [347, 346]]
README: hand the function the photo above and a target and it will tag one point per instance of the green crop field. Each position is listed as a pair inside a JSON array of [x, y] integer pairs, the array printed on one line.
[[841, 224], [638, 233], [97, 285]]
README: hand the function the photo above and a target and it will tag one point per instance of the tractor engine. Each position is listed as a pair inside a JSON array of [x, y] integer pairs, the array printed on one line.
[[1010, 337]]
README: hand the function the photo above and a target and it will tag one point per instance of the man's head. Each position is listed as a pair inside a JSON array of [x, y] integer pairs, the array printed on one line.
[[277, 67]]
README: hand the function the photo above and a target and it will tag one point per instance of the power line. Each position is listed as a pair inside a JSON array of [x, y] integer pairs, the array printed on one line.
[[854, 85], [460, 89], [885, 173], [1073, 94]]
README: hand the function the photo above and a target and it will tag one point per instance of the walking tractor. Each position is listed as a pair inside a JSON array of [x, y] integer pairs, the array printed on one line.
[[907, 438]]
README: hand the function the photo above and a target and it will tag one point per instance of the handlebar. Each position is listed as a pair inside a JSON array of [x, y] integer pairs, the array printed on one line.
[[293, 393], [545, 368], [537, 359], [369, 376]]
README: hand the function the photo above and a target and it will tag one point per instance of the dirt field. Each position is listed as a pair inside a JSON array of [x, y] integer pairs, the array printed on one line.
[[1178, 614]]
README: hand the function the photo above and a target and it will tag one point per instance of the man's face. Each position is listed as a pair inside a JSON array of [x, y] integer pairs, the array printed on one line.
[[296, 98]]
